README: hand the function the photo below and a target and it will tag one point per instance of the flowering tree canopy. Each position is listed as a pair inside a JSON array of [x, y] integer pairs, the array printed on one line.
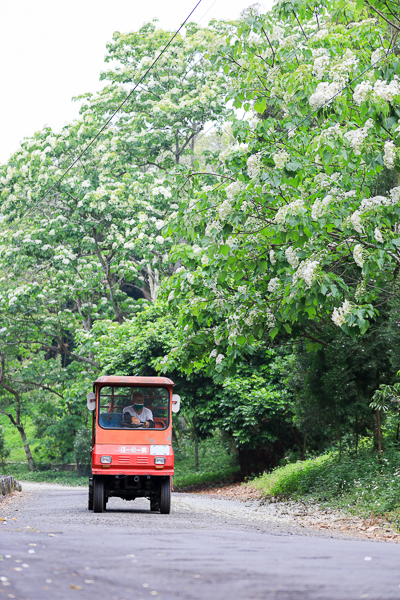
[[296, 234]]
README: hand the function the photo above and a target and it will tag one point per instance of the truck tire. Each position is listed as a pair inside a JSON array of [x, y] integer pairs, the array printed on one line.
[[98, 496], [165, 500], [90, 498]]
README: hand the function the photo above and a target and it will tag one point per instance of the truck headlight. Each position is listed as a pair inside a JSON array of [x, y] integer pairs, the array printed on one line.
[[105, 460], [159, 460]]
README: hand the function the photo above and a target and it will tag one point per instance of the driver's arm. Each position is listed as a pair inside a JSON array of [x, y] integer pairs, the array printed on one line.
[[151, 423]]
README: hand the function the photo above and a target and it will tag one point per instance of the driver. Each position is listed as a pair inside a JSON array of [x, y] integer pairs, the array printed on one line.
[[137, 413]]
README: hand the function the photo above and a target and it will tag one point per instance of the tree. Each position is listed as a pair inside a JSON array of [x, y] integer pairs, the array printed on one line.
[[290, 238]]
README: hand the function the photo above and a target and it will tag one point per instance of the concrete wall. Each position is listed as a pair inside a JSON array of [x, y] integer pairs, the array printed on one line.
[[8, 484]]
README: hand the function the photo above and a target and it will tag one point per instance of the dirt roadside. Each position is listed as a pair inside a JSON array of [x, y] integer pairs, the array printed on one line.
[[303, 514]]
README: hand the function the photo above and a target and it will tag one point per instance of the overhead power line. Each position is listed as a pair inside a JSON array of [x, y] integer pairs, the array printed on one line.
[[86, 148]]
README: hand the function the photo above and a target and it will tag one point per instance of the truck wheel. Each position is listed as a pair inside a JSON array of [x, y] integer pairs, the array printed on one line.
[[90, 499], [98, 496], [165, 500]]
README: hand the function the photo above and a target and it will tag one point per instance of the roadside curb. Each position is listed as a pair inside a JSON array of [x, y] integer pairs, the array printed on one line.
[[8, 485]]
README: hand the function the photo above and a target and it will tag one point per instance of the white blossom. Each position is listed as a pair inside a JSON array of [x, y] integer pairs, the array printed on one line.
[[356, 221], [233, 189], [272, 257], [306, 272], [386, 91], [254, 166], [324, 93], [213, 353], [361, 92], [225, 209], [219, 359], [358, 255], [280, 159], [340, 71], [339, 314], [320, 63], [277, 33], [356, 137], [378, 236], [291, 257], [294, 208], [389, 155], [377, 55], [159, 239], [274, 284]]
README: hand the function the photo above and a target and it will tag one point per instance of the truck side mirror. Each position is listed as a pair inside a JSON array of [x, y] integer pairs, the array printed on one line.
[[176, 403], [91, 400]]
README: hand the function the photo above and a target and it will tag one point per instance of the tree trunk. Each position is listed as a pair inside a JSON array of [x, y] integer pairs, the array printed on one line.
[[340, 437], [26, 448], [303, 452], [17, 421], [356, 434], [378, 422], [196, 452]]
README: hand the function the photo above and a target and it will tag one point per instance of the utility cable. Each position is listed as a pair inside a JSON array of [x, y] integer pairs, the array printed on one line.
[[108, 120]]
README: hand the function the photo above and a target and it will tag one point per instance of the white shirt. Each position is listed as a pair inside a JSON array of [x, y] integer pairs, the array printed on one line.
[[145, 415]]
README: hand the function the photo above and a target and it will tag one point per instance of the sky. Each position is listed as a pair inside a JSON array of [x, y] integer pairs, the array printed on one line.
[[52, 50]]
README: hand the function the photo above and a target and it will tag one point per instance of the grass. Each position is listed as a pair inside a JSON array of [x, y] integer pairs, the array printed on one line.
[[13, 438], [363, 485], [215, 465]]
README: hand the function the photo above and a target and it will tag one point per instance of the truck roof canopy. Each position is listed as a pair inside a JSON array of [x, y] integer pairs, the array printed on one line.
[[123, 380]]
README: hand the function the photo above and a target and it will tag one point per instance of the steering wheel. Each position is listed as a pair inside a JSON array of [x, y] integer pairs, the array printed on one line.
[[132, 425]]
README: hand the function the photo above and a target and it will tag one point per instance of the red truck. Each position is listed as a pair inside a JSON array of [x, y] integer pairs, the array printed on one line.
[[132, 455]]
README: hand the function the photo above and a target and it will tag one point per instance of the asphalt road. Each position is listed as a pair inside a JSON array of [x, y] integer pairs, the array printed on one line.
[[53, 548]]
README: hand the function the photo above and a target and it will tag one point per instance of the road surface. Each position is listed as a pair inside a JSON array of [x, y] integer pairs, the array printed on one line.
[[53, 548]]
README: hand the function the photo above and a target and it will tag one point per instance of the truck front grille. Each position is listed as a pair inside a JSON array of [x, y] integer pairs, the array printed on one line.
[[124, 460], [142, 460]]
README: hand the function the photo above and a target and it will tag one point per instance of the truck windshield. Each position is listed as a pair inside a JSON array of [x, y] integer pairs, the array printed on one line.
[[123, 407]]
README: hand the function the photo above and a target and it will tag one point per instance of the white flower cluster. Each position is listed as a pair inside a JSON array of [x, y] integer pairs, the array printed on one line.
[[389, 155], [294, 208], [324, 93], [306, 271], [233, 189], [274, 284], [378, 236], [355, 220], [291, 257], [377, 55], [254, 166], [358, 255], [361, 290], [225, 209], [213, 228], [213, 353], [320, 207], [386, 91], [280, 159], [277, 33], [340, 71], [272, 257], [339, 314], [219, 359], [320, 63], [356, 137], [361, 92]]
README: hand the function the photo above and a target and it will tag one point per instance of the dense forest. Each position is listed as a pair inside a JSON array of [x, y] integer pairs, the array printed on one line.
[[234, 226]]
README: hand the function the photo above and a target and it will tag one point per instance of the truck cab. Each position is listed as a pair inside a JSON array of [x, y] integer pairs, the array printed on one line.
[[132, 455]]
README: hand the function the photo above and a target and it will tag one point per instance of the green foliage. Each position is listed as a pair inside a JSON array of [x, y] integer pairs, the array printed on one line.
[[364, 484]]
